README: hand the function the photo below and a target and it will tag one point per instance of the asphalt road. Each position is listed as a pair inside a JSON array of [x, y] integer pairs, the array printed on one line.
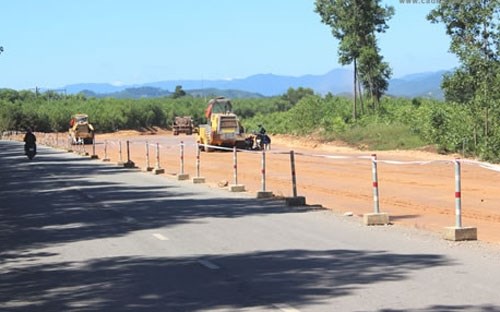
[[80, 235]]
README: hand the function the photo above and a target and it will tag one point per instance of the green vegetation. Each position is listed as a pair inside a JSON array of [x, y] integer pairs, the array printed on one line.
[[398, 124], [474, 30], [178, 92]]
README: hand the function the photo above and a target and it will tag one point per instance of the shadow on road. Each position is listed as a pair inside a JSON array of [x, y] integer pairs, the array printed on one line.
[[53, 200], [47, 202], [294, 277]]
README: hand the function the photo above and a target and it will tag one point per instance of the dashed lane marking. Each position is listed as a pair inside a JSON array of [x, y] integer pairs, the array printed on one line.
[[129, 219], [160, 237], [208, 264]]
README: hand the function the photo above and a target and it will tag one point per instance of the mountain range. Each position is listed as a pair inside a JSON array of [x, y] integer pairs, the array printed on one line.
[[337, 81]]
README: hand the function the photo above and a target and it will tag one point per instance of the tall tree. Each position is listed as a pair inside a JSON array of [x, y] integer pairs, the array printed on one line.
[[354, 23], [178, 92], [474, 29], [374, 72]]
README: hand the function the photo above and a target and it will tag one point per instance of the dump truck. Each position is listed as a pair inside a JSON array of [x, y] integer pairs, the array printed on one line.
[[223, 127], [80, 130], [183, 125]]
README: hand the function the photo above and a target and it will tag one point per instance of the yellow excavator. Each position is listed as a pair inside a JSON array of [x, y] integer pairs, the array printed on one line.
[[80, 130], [223, 127]]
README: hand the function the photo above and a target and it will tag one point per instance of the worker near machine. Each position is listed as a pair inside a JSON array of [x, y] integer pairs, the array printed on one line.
[[262, 130]]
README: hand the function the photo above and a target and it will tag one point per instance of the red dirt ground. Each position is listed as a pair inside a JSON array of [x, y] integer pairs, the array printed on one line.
[[415, 195]]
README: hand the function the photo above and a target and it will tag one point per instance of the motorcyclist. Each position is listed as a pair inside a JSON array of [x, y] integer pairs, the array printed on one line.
[[29, 140]]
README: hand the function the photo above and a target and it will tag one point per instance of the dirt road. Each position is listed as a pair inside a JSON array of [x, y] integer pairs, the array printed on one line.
[[418, 195]]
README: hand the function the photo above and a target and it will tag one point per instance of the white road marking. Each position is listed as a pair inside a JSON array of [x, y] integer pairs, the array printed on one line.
[[64, 226], [129, 219], [285, 308], [208, 264], [160, 237], [90, 196]]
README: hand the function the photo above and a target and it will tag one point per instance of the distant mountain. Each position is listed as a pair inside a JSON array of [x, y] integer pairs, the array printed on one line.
[[93, 87], [232, 94], [151, 92], [415, 85], [337, 81], [139, 92], [129, 93]]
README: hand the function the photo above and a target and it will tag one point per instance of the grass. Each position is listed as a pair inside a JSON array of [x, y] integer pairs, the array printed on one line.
[[382, 137]]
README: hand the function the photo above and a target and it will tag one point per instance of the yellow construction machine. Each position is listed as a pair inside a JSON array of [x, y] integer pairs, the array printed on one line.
[[223, 127], [80, 130]]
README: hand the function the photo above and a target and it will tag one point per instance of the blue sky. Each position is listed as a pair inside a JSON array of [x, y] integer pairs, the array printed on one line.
[[53, 43]]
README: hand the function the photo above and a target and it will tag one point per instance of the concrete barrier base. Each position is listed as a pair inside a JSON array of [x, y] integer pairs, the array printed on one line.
[[129, 164], [198, 180], [460, 234], [236, 188], [94, 157], [381, 218], [148, 169], [295, 201], [264, 194], [182, 177], [158, 171], [106, 159]]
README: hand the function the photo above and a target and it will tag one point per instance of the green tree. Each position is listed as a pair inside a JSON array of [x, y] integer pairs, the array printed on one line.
[[474, 29], [293, 96], [374, 72], [354, 23], [178, 92]]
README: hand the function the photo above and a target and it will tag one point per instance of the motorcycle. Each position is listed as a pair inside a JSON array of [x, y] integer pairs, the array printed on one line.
[[30, 150], [264, 141], [258, 142]]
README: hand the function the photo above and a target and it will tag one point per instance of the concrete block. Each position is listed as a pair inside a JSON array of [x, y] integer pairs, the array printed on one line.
[[460, 234], [148, 169], [381, 218], [236, 188], [182, 177], [94, 157], [295, 201], [105, 159], [129, 164], [158, 171], [264, 194], [198, 180]]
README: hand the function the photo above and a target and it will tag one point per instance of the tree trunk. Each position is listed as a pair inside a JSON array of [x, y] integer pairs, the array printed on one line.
[[475, 140], [486, 130], [361, 106], [355, 93]]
